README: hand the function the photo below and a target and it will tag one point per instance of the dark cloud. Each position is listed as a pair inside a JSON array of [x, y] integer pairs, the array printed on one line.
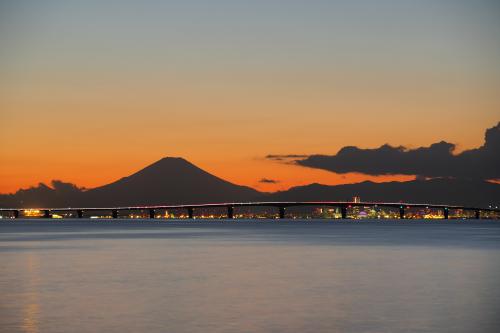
[[437, 160], [58, 194], [285, 157], [63, 187], [268, 181]]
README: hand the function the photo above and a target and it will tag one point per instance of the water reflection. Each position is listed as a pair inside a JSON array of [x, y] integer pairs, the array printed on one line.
[[31, 308], [300, 276]]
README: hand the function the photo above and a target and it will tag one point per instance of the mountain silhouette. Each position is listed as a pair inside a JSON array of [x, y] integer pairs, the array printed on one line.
[[177, 181], [436, 191], [170, 180]]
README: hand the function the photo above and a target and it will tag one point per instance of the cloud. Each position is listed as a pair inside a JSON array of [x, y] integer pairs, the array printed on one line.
[[57, 186], [58, 194], [285, 157], [61, 186], [437, 160], [268, 181]]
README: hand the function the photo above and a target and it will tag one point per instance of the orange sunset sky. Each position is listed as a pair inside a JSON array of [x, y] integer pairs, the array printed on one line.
[[93, 91]]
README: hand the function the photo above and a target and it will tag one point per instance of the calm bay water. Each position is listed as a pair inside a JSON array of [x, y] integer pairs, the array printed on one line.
[[249, 276]]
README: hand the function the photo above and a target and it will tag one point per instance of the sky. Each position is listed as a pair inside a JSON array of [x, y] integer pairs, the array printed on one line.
[[92, 91]]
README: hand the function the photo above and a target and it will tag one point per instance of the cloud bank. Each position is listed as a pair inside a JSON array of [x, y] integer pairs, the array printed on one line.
[[437, 160]]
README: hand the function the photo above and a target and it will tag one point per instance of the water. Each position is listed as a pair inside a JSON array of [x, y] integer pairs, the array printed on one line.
[[249, 276]]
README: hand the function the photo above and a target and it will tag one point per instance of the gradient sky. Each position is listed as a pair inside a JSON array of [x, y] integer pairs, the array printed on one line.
[[91, 91]]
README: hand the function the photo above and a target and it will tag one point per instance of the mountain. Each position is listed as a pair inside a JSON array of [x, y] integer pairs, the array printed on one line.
[[168, 181], [436, 191], [177, 181]]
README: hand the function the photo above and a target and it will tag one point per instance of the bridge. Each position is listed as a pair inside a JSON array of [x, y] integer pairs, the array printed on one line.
[[281, 207]]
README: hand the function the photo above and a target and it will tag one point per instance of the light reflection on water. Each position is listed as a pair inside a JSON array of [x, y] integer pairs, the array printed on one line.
[[77, 276], [32, 307]]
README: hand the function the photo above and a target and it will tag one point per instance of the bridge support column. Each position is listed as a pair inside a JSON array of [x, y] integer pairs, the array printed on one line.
[[282, 212], [114, 213], [16, 214], [343, 211], [446, 212], [190, 212], [46, 214], [230, 212], [401, 212], [478, 214], [79, 213], [151, 213]]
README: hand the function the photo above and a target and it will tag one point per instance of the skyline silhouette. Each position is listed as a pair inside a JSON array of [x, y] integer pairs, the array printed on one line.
[[173, 180], [470, 177]]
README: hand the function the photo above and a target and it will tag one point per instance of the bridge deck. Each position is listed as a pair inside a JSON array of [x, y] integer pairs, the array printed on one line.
[[280, 205]]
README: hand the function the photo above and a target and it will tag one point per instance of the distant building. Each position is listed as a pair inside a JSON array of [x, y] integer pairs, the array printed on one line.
[[356, 199]]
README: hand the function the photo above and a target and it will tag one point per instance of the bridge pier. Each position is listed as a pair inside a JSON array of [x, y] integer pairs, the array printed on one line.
[[478, 214], [282, 212], [446, 213], [46, 214], [343, 211], [401, 212], [230, 212], [151, 213], [190, 212], [79, 213], [114, 213]]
